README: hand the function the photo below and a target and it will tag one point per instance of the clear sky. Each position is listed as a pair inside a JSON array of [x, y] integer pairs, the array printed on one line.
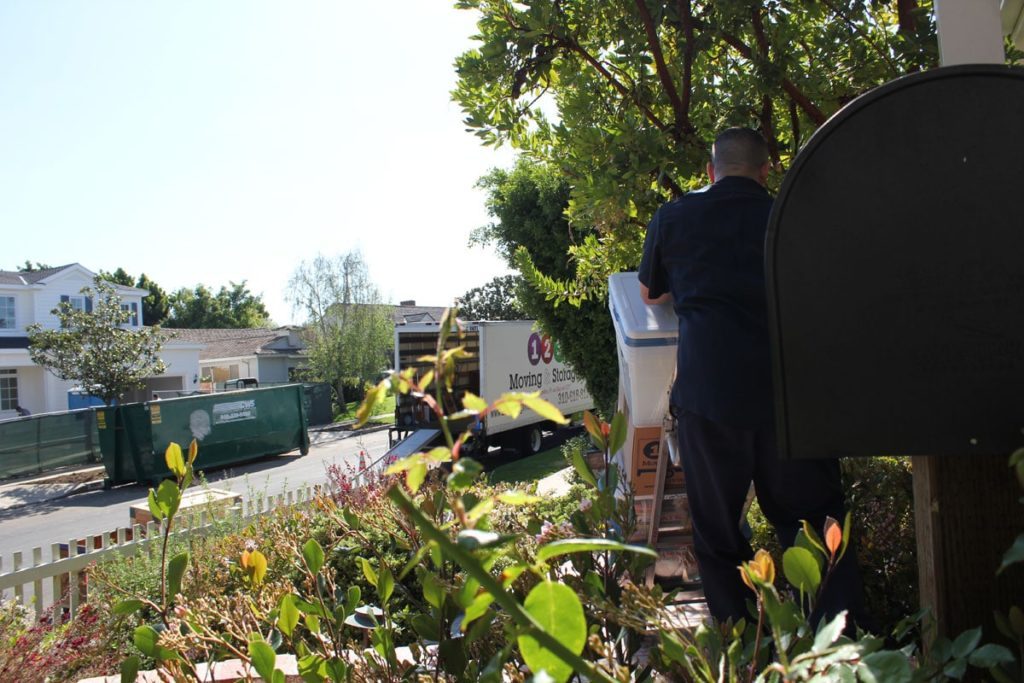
[[208, 141]]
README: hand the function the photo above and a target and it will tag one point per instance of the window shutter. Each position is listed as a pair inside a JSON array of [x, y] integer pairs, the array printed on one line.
[[64, 298], [88, 304], [135, 314]]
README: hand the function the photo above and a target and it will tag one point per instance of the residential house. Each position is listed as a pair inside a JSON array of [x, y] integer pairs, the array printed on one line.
[[28, 297], [409, 312], [268, 355]]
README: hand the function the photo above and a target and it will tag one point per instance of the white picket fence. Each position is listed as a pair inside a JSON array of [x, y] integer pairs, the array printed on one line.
[[60, 582]]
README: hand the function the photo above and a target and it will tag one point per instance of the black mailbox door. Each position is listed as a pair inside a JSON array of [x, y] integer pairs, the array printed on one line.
[[895, 266]]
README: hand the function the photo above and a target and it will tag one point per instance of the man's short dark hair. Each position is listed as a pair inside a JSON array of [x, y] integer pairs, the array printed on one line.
[[739, 149]]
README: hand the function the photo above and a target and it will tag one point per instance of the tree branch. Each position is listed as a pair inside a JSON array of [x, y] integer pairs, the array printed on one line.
[[681, 115], [573, 45], [794, 92], [686, 15]]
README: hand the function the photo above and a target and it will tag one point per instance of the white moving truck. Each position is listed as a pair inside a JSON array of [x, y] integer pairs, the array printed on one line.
[[507, 356]]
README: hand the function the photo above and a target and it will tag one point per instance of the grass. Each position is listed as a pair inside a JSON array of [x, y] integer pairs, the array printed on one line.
[[385, 407], [530, 469]]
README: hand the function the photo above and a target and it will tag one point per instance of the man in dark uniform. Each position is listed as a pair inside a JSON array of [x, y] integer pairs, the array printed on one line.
[[704, 252]]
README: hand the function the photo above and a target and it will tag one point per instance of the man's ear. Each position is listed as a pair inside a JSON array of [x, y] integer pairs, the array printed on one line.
[[711, 172]]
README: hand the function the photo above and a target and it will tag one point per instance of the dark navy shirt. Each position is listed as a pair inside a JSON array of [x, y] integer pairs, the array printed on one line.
[[707, 249]]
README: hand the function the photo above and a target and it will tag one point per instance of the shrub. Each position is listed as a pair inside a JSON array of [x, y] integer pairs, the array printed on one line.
[[881, 499]]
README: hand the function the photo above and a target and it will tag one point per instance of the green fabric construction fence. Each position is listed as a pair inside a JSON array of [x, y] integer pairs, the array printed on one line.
[[38, 443]]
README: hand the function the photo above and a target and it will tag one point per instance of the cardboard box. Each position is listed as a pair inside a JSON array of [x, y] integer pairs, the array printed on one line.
[[675, 513], [646, 444], [214, 502]]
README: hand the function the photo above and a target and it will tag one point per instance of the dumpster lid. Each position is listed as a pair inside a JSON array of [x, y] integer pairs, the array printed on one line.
[[638, 323]]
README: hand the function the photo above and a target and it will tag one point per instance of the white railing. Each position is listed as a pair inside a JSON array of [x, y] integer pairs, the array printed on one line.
[[60, 581]]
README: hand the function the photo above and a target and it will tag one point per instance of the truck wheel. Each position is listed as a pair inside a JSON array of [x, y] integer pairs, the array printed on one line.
[[531, 440]]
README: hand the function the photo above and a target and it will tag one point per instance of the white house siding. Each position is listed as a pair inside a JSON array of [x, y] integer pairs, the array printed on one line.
[[24, 314], [183, 361], [70, 282], [272, 369]]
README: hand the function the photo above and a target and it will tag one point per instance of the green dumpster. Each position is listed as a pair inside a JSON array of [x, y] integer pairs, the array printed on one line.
[[230, 427]]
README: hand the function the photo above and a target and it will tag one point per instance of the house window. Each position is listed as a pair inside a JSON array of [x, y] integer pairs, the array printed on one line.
[[134, 309], [7, 320], [8, 389]]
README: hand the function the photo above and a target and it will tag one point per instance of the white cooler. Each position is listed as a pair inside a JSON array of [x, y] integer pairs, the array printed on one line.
[[646, 337]]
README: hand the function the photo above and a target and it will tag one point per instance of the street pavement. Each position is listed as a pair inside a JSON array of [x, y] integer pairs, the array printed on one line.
[[53, 509]]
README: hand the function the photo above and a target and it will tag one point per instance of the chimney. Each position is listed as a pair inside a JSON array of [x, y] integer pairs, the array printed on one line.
[[410, 302]]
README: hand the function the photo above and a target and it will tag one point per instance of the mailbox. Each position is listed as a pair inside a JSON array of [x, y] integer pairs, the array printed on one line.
[[895, 272]]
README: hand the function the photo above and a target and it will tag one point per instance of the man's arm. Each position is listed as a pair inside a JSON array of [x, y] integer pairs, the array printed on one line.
[[645, 294]]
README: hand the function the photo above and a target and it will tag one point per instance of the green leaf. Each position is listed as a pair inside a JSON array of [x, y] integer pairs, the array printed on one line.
[[965, 643], [154, 507], [829, 633], [476, 609], [617, 436], [374, 395], [545, 409], [673, 649], [593, 427], [368, 571], [885, 667], [145, 638], [130, 669], [990, 655], [433, 591], [312, 622], [129, 606], [1014, 555], [415, 476], [557, 609], [473, 402], [813, 538], [168, 496], [509, 405], [582, 468], [587, 545], [337, 669], [176, 567], [174, 459], [313, 554], [802, 541], [385, 585], [464, 473], [801, 569], [288, 614], [352, 598], [262, 656]]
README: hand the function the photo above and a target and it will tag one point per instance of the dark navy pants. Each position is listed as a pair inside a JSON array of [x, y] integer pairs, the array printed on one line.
[[720, 462]]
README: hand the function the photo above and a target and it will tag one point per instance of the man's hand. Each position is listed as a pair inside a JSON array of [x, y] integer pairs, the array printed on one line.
[[645, 294]]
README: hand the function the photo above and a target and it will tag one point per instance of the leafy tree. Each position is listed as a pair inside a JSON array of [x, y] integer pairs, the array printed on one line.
[[349, 328], [156, 306], [94, 348], [29, 267], [624, 98], [533, 233], [118, 277], [235, 307], [496, 300]]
